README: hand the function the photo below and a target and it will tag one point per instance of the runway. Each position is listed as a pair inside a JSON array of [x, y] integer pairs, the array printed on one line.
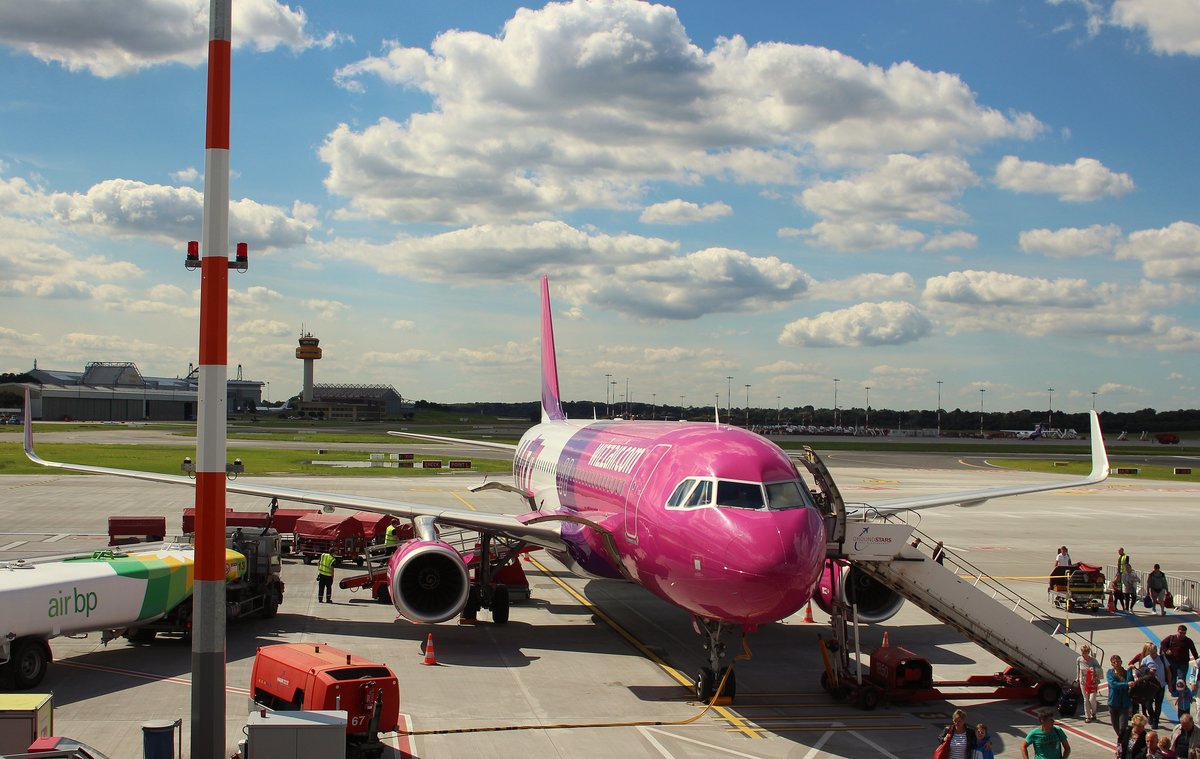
[[585, 652]]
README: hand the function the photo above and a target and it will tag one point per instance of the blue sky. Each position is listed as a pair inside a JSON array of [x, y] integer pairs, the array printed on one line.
[[996, 195]]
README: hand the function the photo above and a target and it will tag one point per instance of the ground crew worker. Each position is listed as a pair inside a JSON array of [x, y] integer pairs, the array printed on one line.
[[389, 535], [325, 577]]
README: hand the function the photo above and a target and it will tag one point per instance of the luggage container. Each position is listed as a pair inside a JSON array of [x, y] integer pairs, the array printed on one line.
[[339, 534], [24, 717]]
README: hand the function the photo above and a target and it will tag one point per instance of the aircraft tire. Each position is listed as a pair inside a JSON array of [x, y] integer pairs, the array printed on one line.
[[500, 605], [705, 685], [730, 689]]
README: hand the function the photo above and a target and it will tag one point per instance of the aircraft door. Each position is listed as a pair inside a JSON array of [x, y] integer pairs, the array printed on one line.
[[633, 496]]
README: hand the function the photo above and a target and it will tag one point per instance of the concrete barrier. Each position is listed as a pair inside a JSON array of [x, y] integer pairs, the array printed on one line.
[[1183, 470]]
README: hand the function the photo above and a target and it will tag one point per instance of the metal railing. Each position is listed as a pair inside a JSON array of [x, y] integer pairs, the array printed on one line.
[[1001, 593]]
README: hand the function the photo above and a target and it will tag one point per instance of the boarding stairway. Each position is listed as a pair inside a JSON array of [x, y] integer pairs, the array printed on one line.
[[956, 592], [961, 595]]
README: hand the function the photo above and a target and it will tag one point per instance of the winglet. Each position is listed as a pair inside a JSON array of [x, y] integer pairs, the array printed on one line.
[[551, 406], [1100, 469]]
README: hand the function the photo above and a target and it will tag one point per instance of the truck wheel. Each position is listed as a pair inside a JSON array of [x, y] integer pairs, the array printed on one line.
[[140, 635], [868, 698], [384, 596], [271, 604], [500, 605], [30, 658], [1049, 693], [308, 559]]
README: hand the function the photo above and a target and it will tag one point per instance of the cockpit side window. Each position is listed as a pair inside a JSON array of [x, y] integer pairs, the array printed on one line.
[[786, 495], [701, 496], [681, 490], [740, 495]]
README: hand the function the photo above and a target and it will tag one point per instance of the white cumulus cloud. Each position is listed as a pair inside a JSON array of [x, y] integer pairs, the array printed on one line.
[[1086, 179], [1071, 242], [866, 324], [1172, 26], [682, 212], [1172, 251]]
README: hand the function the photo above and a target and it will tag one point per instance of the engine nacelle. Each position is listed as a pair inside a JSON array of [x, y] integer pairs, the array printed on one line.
[[876, 601], [428, 580]]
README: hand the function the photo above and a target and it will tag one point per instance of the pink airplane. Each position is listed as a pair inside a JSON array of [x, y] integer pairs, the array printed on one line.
[[711, 518]]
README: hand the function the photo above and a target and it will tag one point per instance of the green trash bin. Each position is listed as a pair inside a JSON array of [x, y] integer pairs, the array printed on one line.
[[158, 739]]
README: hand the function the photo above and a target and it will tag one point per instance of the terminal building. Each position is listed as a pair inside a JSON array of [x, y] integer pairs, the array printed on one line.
[[119, 392]]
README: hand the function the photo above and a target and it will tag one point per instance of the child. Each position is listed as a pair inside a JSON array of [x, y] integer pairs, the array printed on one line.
[[1183, 697], [983, 742]]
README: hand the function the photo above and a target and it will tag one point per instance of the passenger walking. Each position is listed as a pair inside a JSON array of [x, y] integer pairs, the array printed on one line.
[[1119, 704], [983, 743], [959, 738], [1129, 587], [1185, 737], [1063, 559], [1183, 698], [1179, 650], [1088, 674], [1150, 687], [325, 577], [1048, 740], [1156, 587], [1154, 749], [1131, 744]]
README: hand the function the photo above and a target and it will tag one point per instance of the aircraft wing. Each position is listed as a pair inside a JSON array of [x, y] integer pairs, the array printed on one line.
[[460, 441], [1099, 473], [508, 525]]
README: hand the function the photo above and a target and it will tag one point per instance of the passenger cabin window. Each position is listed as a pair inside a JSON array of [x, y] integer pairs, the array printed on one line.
[[739, 495]]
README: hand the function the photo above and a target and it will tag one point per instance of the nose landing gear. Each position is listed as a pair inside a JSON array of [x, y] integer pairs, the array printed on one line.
[[715, 679]]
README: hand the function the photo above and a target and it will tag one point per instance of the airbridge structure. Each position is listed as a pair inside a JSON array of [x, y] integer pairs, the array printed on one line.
[[962, 596]]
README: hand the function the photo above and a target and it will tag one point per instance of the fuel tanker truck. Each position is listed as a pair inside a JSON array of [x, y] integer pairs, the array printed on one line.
[[133, 594]]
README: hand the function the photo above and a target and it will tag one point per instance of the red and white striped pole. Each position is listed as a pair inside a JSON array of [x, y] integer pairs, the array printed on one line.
[[208, 630]]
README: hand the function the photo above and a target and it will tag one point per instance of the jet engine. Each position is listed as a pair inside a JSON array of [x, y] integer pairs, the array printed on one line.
[[876, 601], [428, 581]]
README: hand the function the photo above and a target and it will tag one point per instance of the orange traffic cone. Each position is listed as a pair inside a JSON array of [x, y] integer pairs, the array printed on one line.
[[885, 641], [429, 656], [808, 613]]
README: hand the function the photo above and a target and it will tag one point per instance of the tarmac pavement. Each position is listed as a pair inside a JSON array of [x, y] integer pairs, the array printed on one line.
[[582, 653]]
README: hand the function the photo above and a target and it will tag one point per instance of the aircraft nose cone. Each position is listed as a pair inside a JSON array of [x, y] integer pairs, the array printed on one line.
[[777, 565]]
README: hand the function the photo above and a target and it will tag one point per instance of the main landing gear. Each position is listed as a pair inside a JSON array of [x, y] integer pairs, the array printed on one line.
[[714, 679]]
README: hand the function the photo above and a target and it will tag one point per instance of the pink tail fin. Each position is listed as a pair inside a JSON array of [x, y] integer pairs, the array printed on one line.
[[551, 405]]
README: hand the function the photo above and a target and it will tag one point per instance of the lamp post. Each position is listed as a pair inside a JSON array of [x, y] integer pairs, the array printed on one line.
[[653, 404], [747, 407], [939, 408], [717, 402], [613, 383], [269, 394], [1050, 416], [982, 390], [835, 408], [778, 410], [627, 398], [867, 419], [1093, 399], [728, 398], [681, 407], [607, 404]]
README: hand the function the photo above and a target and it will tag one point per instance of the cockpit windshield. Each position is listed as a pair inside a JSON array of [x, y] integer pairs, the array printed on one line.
[[695, 492]]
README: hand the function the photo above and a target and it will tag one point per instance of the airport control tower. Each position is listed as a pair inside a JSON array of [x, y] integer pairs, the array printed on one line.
[[308, 351]]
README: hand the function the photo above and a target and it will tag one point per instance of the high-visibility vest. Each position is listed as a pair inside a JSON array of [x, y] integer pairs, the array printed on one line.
[[389, 536], [326, 565]]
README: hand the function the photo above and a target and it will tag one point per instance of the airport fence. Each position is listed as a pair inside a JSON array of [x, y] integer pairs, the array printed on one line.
[[1184, 591]]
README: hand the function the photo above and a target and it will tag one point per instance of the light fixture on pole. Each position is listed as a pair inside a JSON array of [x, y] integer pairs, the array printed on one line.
[[1050, 416], [982, 390], [939, 408], [747, 406], [607, 404], [728, 397], [1093, 399], [867, 419], [835, 408]]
